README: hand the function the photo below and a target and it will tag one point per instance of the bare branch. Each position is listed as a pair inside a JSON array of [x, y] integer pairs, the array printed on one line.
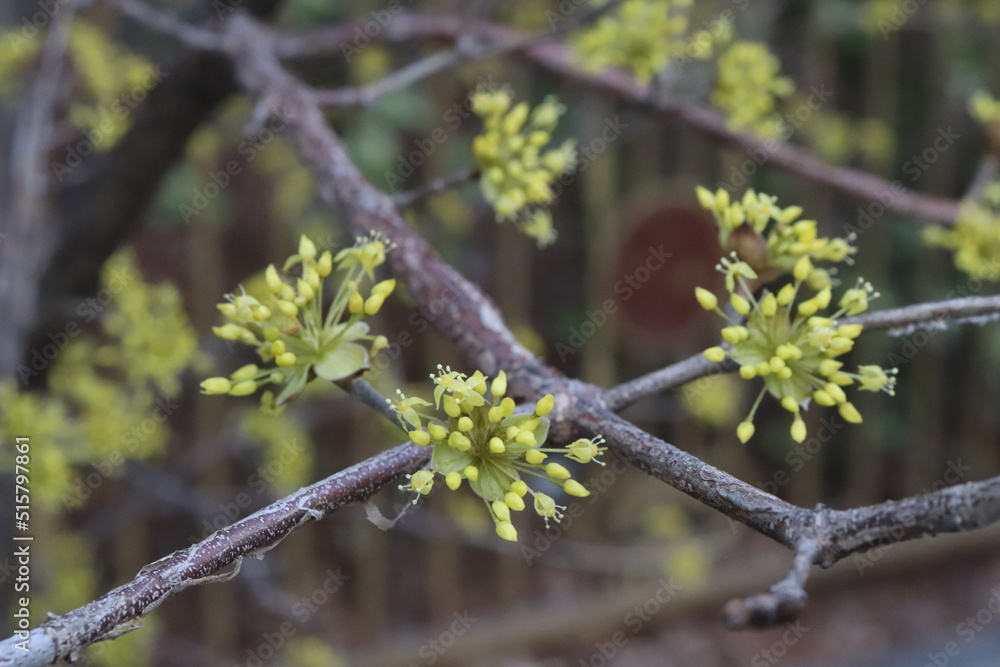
[[64, 636], [973, 309], [433, 187], [557, 58], [168, 24]]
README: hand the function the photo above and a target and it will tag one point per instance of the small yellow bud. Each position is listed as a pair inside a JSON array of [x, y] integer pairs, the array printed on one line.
[[216, 385], [272, 278], [497, 446], [355, 303], [513, 501], [421, 438], [544, 405], [802, 269], [379, 344], [534, 457], [715, 354], [374, 303], [244, 388], [850, 330], [745, 431], [495, 414], [451, 407], [285, 360], [735, 335], [706, 299], [790, 404], [278, 348], [304, 289], [271, 334], [508, 406], [526, 438], [785, 295], [325, 264], [506, 531], [557, 471], [437, 432], [288, 309], [247, 372], [798, 429], [740, 305], [519, 487], [229, 331], [835, 392], [769, 305], [453, 480], [307, 249], [464, 424], [850, 413], [471, 473], [823, 398], [384, 288], [499, 386], [574, 488], [776, 364], [458, 441], [748, 372], [501, 510], [808, 307], [705, 198]]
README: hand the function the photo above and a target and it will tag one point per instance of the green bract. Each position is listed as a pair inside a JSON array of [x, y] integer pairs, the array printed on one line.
[[290, 329]]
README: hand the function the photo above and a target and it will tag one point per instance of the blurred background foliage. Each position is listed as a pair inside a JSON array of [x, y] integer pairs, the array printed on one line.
[[130, 463]]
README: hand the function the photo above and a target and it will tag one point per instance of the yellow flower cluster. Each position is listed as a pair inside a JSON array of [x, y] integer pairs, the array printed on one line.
[[108, 397], [641, 35], [291, 330], [975, 238], [485, 442], [792, 346], [743, 225], [748, 86], [516, 174], [156, 340], [984, 107]]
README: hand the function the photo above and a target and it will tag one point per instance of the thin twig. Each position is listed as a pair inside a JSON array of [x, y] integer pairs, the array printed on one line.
[[859, 185], [63, 637], [406, 199], [168, 24]]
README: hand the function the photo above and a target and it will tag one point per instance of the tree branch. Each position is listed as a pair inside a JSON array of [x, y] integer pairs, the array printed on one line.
[[558, 59], [63, 637]]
